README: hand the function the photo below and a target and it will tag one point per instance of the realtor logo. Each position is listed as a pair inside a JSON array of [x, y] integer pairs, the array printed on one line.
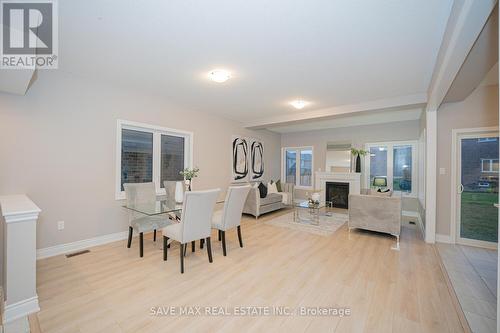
[[29, 34]]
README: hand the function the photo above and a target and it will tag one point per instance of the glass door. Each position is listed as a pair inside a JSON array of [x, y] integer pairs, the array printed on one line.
[[478, 189]]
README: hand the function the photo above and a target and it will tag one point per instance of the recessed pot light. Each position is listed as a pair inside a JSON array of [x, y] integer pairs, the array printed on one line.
[[299, 104], [219, 75]]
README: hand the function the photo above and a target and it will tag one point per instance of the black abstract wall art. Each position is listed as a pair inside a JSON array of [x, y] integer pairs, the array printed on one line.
[[240, 159], [257, 160]]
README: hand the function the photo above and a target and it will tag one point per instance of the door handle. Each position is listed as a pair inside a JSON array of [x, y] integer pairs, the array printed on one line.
[[460, 189], [496, 205]]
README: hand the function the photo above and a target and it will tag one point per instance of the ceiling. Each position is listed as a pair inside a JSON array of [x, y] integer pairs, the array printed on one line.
[[332, 53]]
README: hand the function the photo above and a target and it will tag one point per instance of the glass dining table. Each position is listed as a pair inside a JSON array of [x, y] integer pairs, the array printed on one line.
[[158, 207]]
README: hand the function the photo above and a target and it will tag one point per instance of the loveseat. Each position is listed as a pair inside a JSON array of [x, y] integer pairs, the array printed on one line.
[[256, 206]]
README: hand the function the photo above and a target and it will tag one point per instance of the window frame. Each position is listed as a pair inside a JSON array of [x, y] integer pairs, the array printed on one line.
[[390, 165], [157, 132], [297, 168]]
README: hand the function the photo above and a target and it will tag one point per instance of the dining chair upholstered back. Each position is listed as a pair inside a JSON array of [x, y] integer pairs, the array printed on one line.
[[233, 206], [138, 193], [197, 213], [170, 189]]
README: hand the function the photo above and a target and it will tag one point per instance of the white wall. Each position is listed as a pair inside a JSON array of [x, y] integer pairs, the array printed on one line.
[[480, 109], [58, 146]]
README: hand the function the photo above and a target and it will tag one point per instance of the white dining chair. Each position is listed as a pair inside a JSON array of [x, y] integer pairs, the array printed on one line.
[[195, 224], [142, 194], [230, 216], [169, 186]]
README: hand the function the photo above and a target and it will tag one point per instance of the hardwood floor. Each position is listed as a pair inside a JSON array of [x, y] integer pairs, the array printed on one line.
[[111, 289]]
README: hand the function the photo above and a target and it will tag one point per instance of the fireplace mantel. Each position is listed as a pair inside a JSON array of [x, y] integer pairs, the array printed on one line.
[[354, 180]]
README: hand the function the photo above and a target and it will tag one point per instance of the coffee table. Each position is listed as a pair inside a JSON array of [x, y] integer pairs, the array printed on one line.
[[309, 212]]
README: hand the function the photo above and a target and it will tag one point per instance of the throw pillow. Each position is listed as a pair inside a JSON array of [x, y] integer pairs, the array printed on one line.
[[383, 194], [262, 190], [278, 186], [271, 188]]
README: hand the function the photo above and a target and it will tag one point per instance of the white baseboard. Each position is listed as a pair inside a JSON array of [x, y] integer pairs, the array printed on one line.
[[20, 309], [443, 239], [419, 220], [79, 245]]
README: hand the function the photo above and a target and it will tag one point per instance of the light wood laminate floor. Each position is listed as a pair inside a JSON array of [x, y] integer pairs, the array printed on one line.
[[111, 289]]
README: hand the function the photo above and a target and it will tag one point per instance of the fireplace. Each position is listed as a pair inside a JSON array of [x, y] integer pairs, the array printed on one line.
[[338, 193]]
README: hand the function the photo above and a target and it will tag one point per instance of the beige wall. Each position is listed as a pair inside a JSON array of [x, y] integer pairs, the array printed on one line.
[[58, 146], [480, 109], [356, 135]]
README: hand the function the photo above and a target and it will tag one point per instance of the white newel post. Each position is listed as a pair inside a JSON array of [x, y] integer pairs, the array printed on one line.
[[20, 216]]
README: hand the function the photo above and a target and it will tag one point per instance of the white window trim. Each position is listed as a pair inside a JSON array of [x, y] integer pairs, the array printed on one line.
[[157, 131], [490, 160], [297, 169], [390, 165]]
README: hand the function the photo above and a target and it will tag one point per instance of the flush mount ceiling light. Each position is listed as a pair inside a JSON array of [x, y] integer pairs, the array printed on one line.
[[219, 75], [299, 104]]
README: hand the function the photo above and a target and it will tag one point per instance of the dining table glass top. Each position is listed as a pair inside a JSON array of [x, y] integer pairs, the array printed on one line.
[[157, 207]]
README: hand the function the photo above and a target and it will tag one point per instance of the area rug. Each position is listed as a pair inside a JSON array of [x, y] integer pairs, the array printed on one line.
[[327, 224]]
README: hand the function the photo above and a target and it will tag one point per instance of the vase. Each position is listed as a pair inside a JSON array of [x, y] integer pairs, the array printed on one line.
[[316, 196], [358, 164], [179, 192]]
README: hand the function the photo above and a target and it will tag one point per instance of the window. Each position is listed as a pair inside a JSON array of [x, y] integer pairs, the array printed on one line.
[[402, 162], [291, 166], [395, 161], [298, 166], [172, 158], [378, 162], [137, 157], [306, 167], [149, 153], [489, 165]]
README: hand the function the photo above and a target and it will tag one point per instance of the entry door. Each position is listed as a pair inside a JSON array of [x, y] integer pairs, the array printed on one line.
[[477, 190]]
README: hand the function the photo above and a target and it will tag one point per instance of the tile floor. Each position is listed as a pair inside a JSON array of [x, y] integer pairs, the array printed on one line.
[[473, 274]]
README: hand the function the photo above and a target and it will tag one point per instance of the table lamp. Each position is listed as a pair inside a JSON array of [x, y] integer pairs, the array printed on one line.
[[380, 182]]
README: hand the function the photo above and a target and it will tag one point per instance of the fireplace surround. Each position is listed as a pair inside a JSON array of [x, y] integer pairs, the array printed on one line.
[[351, 179]]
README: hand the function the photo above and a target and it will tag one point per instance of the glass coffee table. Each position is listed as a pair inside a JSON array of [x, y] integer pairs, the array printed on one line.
[[307, 212]]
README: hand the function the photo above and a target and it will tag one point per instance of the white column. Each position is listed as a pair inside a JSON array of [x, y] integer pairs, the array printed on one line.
[[430, 181], [20, 215]]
